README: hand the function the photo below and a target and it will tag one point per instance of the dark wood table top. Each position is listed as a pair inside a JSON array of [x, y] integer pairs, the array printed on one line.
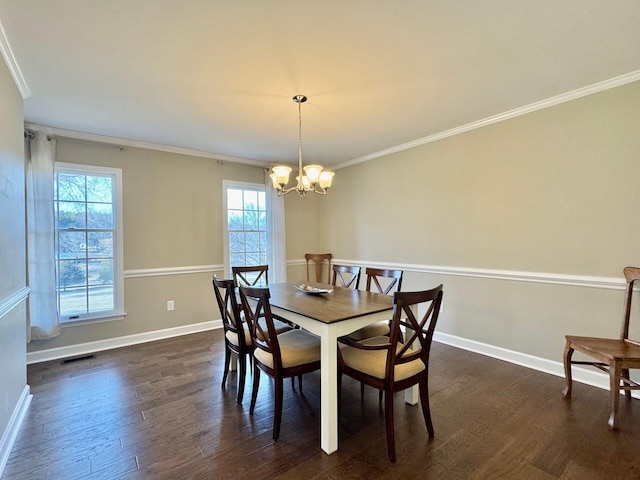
[[341, 304]]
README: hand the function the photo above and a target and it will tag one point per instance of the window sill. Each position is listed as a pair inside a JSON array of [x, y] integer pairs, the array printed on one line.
[[90, 320]]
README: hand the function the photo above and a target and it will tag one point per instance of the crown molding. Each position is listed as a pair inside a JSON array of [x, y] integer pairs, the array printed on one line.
[[12, 64], [124, 142], [516, 112]]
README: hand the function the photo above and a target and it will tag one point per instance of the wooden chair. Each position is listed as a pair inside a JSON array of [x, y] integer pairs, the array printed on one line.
[[379, 281], [614, 356], [289, 354], [236, 338], [254, 276], [318, 260], [348, 276], [391, 364]]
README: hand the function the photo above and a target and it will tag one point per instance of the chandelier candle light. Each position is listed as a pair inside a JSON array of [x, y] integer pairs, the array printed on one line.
[[315, 179]]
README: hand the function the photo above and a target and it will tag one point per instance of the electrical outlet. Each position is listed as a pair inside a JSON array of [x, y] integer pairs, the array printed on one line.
[[170, 306]]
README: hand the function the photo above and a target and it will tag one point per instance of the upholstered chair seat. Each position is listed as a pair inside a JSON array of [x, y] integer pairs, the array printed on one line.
[[380, 281], [377, 329], [297, 347], [232, 337], [279, 325], [374, 362], [286, 355], [396, 362]]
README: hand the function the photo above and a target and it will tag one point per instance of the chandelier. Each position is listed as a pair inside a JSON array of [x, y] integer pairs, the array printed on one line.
[[314, 179]]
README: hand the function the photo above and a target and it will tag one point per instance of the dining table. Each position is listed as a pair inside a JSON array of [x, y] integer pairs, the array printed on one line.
[[330, 312]]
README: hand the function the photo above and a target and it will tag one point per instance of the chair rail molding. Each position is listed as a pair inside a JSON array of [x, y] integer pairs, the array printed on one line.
[[158, 272], [13, 300], [611, 283], [582, 375]]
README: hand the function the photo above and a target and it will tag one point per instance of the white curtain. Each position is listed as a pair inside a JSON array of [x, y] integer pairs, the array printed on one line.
[[276, 231], [43, 316]]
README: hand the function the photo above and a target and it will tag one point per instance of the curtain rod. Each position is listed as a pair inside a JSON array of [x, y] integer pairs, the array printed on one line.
[[123, 143]]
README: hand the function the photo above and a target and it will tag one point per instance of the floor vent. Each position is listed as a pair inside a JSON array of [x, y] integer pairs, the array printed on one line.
[[76, 359]]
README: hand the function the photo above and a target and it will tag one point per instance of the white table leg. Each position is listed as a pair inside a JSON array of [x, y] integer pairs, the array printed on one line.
[[233, 365], [412, 395], [329, 391]]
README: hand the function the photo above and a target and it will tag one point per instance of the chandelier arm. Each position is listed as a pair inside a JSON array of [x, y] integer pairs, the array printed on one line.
[[312, 182], [282, 192]]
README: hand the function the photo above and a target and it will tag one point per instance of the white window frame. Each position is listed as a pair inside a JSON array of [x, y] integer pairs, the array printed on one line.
[[229, 184], [118, 312]]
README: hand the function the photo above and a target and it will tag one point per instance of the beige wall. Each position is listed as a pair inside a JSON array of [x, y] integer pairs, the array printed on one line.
[[13, 374], [305, 227], [172, 219], [555, 191]]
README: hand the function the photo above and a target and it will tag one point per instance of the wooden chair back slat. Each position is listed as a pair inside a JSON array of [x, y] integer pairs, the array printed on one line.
[[393, 280], [228, 305], [348, 276], [318, 259], [252, 276]]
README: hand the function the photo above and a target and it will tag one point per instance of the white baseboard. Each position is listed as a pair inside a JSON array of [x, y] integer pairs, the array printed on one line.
[[582, 375], [15, 422], [108, 344], [579, 374]]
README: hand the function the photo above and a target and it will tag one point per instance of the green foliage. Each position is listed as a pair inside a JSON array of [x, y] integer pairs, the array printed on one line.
[[71, 273]]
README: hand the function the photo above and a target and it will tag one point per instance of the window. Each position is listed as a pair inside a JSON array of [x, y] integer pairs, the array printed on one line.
[[246, 240], [88, 242]]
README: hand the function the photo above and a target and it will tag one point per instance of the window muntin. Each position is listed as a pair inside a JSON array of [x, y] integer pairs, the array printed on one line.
[[88, 242], [246, 238]]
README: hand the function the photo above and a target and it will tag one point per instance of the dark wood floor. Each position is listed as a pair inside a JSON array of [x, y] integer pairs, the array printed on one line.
[[156, 411]]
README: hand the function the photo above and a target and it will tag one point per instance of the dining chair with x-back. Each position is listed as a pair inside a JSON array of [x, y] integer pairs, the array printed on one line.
[[346, 276], [379, 281], [251, 276], [236, 337], [289, 354], [396, 362]]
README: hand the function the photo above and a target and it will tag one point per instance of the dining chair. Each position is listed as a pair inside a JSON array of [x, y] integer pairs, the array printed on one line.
[[318, 260], [347, 275], [612, 355], [252, 276], [383, 281], [379, 281], [289, 354], [236, 337], [392, 364]]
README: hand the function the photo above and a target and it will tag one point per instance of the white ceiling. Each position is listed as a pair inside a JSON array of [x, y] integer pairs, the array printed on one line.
[[218, 75]]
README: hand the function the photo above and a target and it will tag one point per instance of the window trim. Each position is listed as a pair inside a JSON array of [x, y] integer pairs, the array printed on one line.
[[118, 312], [227, 184]]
